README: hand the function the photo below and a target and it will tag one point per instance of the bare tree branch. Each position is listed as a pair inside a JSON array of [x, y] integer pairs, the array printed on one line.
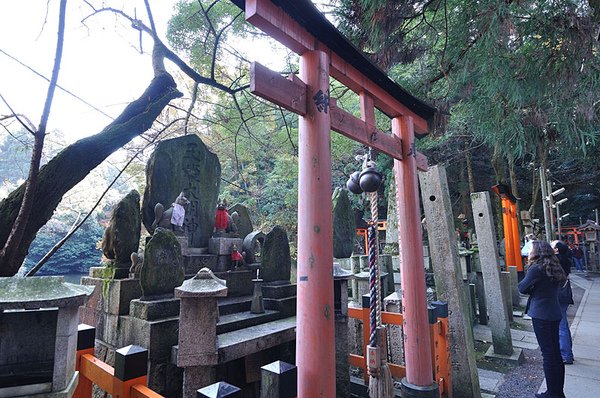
[[57, 86], [18, 116], [8, 254], [191, 107]]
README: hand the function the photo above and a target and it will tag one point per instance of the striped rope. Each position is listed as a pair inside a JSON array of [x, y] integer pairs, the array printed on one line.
[[372, 287], [375, 220]]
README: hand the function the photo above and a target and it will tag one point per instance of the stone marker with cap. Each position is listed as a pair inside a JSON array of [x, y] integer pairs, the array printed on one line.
[[199, 314]]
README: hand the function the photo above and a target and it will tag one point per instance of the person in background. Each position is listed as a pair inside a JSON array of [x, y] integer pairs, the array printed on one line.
[[578, 258], [565, 298], [542, 281], [526, 247]]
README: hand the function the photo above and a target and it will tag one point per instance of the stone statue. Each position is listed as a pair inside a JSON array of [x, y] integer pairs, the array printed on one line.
[[162, 270], [237, 258], [225, 225], [122, 236], [173, 217], [137, 260]]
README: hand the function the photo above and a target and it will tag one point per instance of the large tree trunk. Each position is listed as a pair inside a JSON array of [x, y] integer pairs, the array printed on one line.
[[76, 161], [535, 192], [470, 171], [499, 164], [515, 190]]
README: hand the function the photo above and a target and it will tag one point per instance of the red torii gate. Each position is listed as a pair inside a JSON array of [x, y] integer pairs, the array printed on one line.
[[325, 52], [512, 241]]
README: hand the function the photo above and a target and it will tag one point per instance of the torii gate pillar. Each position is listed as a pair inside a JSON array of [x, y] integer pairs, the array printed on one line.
[[419, 379], [315, 333]]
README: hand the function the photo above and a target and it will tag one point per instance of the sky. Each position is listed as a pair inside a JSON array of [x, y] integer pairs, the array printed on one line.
[[101, 61]]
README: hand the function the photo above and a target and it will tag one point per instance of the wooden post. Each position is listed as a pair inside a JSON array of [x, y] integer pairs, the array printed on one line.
[[516, 239], [509, 256], [219, 390], [86, 336], [278, 380], [419, 380], [315, 336]]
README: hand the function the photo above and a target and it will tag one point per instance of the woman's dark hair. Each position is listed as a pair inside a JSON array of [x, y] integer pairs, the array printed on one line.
[[542, 255], [563, 249]]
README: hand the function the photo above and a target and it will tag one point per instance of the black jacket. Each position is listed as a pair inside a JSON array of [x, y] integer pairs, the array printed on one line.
[[543, 295]]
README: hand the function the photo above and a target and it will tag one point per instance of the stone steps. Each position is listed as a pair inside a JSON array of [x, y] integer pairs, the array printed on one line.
[[241, 320], [241, 343], [232, 305], [287, 305], [279, 291]]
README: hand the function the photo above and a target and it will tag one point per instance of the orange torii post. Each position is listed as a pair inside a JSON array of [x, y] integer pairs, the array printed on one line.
[[512, 241], [324, 52]]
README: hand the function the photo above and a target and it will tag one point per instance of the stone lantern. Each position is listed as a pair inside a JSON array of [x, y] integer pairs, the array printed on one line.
[[199, 314], [39, 318], [590, 230]]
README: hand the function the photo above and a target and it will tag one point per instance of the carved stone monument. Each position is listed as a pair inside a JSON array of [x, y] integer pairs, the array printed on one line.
[[344, 228], [122, 236], [184, 164], [276, 259], [162, 270]]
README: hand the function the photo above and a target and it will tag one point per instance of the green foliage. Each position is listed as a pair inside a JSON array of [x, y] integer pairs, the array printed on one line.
[[516, 75]]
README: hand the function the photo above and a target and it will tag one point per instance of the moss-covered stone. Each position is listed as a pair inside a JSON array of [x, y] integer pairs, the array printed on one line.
[[184, 164], [243, 222], [344, 228], [276, 260], [162, 270], [122, 236]]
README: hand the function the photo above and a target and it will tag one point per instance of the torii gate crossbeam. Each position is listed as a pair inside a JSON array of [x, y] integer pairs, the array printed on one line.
[[299, 26]]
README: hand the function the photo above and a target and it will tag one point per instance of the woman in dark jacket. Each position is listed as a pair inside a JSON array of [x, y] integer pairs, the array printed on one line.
[[542, 281], [565, 298]]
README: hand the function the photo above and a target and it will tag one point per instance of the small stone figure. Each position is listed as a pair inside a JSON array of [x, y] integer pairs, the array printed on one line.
[[237, 258], [173, 217], [137, 259], [224, 223]]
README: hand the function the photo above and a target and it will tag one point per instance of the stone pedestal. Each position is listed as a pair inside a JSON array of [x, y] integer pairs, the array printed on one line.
[[279, 380], [385, 264], [393, 303], [111, 299], [222, 246], [362, 280], [192, 263], [154, 325], [199, 314], [514, 285], [39, 338]]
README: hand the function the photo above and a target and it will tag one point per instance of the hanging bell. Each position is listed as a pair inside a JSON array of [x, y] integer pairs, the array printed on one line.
[[353, 184], [370, 179]]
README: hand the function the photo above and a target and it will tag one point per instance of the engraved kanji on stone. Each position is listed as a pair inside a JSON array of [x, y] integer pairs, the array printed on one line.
[[322, 100]]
